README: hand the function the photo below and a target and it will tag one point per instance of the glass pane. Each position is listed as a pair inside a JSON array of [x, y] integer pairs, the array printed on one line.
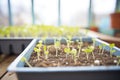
[[103, 9], [4, 13], [74, 12], [21, 11], [46, 12]]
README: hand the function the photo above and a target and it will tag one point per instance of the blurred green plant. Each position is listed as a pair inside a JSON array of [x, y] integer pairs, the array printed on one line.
[[38, 31]]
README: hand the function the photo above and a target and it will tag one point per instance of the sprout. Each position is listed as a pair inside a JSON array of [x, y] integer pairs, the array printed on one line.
[[69, 37], [79, 46], [92, 49], [111, 49], [57, 45], [68, 40], [38, 52], [74, 53], [23, 59], [118, 62], [100, 47], [103, 47], [88, 51], [46, 52], [67, 51]]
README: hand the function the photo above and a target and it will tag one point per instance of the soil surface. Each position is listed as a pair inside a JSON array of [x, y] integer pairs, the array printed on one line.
[[64, 59]]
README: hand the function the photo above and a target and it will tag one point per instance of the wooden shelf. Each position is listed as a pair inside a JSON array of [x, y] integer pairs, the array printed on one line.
[[103, 37]]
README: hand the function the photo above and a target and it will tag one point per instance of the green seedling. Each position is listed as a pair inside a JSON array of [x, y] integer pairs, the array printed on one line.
[[74, 53], [79, 46], [88, 51], [46, 51], [118, 62], [46, 54], [67, 51], [23, 59], [68, 40], [100, 48], [37, 50], [39, 45], [111, 49], [103, 47], [57, 45]]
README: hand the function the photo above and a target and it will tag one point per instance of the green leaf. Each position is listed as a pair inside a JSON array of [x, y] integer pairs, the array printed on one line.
[[57, 44], [103, 45], [45, 47], [112, 45], [46, 52], [67, 50], [100, 46], [69, 37], [74, 52], [23, 59], [113, 51]]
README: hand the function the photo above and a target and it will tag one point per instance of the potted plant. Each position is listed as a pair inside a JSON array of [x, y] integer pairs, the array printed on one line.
[[68, 59]]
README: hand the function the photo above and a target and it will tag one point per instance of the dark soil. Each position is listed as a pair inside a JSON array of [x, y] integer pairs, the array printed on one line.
[[60, 60]]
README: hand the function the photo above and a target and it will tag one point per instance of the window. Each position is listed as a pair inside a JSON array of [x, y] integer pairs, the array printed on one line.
[[3, 13], [74, 12], [46, 12], [103, 9], [21, 12]]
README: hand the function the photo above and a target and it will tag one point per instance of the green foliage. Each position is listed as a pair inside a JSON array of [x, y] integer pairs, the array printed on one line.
[[45, 47], [74, 53], [46, 51], [46, 54], [112, 45], [88, 51], [79, 46], [118, 62], [69, 37], [100, 46], [67, 50], [103, 47], [57, 44], [38, 31], [37, 50], [111, 49]]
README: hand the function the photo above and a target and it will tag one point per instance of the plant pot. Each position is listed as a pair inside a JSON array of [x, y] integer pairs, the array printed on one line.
[[94, 28], [115, 20], [64, 73]]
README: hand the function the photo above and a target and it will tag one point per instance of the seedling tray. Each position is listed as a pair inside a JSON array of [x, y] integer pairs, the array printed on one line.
[[64, 73], [13, 45]]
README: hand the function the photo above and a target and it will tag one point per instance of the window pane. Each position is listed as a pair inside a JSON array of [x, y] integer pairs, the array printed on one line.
[[103, 9], [21, 11], [74, 12], [4, 13], [46, 12]]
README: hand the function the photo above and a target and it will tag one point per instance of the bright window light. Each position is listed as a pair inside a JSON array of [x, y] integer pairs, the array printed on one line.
[[74, 12], [46, 12]]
